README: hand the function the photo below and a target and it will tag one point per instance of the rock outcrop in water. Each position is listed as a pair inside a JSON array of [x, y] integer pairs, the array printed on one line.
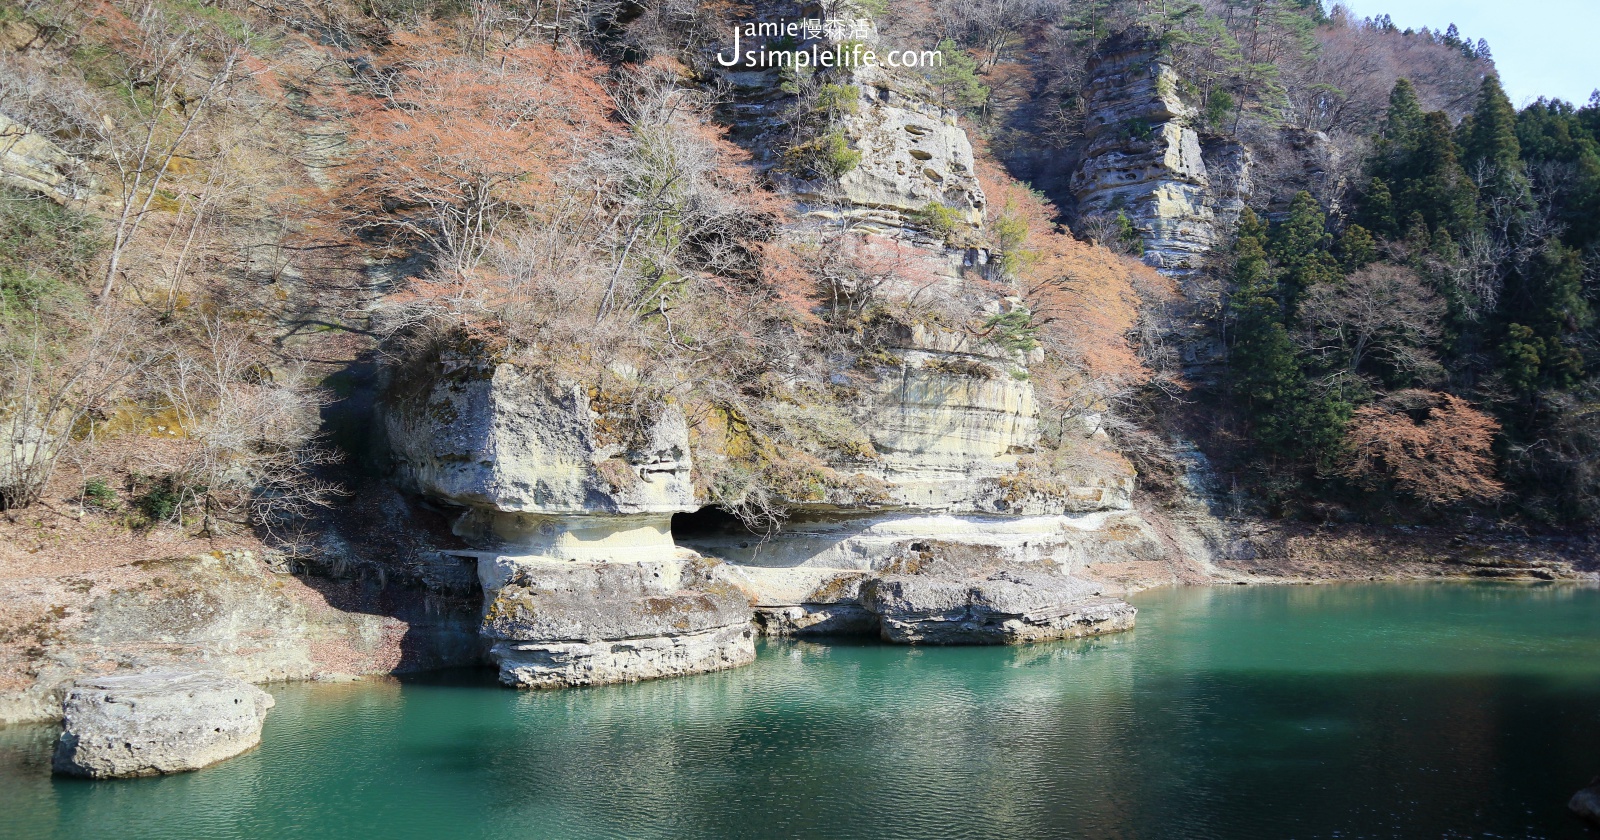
[[975, 543], [1007, 607], [572, 497], [564, 624], [155, 721], [570, 502], [225, 611]]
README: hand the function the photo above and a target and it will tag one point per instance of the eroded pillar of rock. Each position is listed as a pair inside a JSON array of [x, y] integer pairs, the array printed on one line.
[[571, 494]]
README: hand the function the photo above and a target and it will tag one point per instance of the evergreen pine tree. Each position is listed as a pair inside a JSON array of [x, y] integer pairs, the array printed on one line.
[[1402, 129], [1435, 184], [1301, 246], [1357, 249], [1491, 138], [1377, 210], [1264, 374], [956, 78], [1491, 154], [1543, 307]]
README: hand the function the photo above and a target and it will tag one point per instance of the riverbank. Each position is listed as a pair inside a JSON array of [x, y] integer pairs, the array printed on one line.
[[82, 596], [1255, 551]]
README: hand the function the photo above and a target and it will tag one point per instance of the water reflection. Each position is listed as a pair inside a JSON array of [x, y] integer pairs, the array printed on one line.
[[1230, 713]]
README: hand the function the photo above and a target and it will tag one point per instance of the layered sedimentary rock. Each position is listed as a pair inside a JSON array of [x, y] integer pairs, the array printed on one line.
[[803, 600], [563, 624], [827, 575], [1006, 607], [951, 424], [913, 154], [31, 161], [956, 431], [514, 449], [1145, 157], [569, 495], [158, 720]]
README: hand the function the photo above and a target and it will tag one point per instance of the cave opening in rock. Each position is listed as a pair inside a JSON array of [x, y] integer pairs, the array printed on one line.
[[709, 522]]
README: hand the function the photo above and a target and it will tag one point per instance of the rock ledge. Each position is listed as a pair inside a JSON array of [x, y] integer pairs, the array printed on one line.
[[1004, 608]]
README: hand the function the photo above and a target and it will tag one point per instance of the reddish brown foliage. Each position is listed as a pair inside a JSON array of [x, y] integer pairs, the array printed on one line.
[[1442, 459], [1085, 299], [447, 141]]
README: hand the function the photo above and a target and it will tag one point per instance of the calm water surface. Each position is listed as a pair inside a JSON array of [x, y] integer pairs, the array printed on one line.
[[1334, 711]]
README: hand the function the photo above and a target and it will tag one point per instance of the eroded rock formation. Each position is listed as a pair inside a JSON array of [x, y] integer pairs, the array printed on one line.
[[158, 720], [571, 496], [1147, 158], [568, 493], [913, 155], [564, 624]]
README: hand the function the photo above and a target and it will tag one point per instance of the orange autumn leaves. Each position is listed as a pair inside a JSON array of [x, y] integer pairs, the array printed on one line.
[[1443, 458], [1085, 300], [447, 143]]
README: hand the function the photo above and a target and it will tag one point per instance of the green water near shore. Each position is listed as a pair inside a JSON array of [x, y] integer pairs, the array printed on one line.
[[1336, 711]]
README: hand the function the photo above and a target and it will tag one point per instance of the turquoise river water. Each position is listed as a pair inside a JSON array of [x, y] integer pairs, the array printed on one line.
[[1400, 710]]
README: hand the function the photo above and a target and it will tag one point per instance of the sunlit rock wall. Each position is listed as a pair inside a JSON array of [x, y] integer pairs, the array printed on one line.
[[569, 496], [913, 154], [1147, 159]]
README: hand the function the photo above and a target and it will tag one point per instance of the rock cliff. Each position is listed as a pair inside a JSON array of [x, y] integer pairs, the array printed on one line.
[[30, 161], [1147, 158], [913, 155]]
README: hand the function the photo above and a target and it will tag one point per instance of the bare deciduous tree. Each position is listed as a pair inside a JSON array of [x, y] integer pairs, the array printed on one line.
[[48, 389], [1382, 314], [251, 431]]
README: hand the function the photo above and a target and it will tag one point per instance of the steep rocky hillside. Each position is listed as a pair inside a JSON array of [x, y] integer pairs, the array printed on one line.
[[346, 339]]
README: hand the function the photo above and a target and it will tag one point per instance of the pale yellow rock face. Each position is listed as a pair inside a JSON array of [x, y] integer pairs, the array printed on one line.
[[1146, 159], [913, 154], [950, 424], [30, 161], [831, 544], [534, 540], [928, 417], [498, 440]]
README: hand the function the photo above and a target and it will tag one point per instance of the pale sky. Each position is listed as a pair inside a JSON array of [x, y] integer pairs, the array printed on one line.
[[1542, 47]]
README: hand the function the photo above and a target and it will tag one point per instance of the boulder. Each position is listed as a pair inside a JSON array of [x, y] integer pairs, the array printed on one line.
[[567, 624], [158, 720], [1586, 803], [1006, 607]]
